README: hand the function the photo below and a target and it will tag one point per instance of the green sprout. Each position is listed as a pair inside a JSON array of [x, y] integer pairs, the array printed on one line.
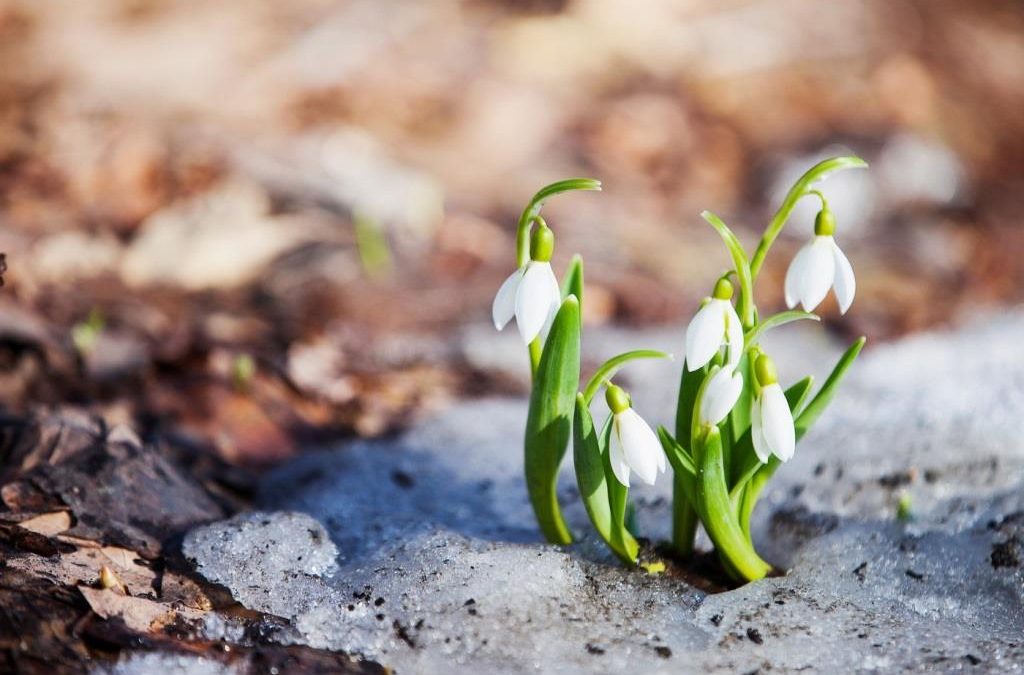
[[735, 424], [85, 334], [243, 370], [905, 508], [372, 244]]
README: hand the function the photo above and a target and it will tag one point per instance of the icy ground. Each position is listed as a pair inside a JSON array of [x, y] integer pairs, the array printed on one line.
[[420, 552]]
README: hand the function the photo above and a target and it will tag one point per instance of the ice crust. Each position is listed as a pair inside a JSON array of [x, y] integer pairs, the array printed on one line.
[[440, 569]]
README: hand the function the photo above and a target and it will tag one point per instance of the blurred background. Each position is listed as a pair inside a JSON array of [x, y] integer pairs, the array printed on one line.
[[246, 226]]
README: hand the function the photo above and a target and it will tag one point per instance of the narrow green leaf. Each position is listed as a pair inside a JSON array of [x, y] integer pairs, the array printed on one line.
[[740, 264], [684, 515], [548, 424], [816, 173], [678, 456], [797, 394], [572, 283], [533, 209], [739, 416], [608, 369], [809, 415], [689, 386], [589, 464], [774, 321]]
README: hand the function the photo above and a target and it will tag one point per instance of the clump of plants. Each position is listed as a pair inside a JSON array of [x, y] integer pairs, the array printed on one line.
[[735, 424]]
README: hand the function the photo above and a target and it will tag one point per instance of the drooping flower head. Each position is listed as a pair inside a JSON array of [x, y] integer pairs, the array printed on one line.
[[715, 325], [634, 446], [771, 420], [721, 394], [531, 293], [819, 266]]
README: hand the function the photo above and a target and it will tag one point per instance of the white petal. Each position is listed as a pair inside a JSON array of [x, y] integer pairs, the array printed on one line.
[[720, 395], [640, 445], [818, 274], [504, 307], [616, 457], [795, 273], [733, 335], [554, 294], [761, 448], [705, 334], [777, 422], [845, 283], [533, 300]]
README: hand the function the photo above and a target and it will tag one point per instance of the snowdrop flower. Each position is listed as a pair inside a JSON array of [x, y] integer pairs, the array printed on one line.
[[771, 420], [716, 324], [720, 395], [634, 446], [531, 293], [819, 266]]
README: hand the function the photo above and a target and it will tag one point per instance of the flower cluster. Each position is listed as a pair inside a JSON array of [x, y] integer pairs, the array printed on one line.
[[735, 424]]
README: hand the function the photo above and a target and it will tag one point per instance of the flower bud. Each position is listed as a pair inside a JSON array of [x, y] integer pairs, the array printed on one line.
[[542, 243], [764, 371], [723, 289], [825, 222], [617, 398]]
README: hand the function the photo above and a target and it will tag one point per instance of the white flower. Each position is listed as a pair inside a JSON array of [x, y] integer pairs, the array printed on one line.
[[715, 325], [532, 296], [720, 395], [634, 446], [771, 420], [819, 266]]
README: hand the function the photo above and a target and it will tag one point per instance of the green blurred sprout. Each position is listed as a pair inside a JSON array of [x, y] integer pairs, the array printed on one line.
[[243, 370], [85, 334]]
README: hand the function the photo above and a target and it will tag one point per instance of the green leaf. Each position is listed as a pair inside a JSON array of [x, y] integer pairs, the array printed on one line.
[[589, 464], [809, 415], [739, 416], [774, 321], [548, 424], [717, 513], [797, 394], [572, 283], [533, 209], [678, 456], [740, 264], [801, 188], [684, 516], [608, 369], [689, 386]]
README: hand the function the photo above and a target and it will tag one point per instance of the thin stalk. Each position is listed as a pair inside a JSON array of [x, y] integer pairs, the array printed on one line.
[[800, 189]]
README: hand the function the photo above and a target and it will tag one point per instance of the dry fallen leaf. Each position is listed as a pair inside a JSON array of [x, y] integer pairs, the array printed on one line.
[[48, 524], [138, 614]]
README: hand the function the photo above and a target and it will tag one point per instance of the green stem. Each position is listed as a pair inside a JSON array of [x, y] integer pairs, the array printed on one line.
[[684, 520], [535, 350], [608, 369], [717, 514], [533, 209], [544, 499], [800, 189]]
